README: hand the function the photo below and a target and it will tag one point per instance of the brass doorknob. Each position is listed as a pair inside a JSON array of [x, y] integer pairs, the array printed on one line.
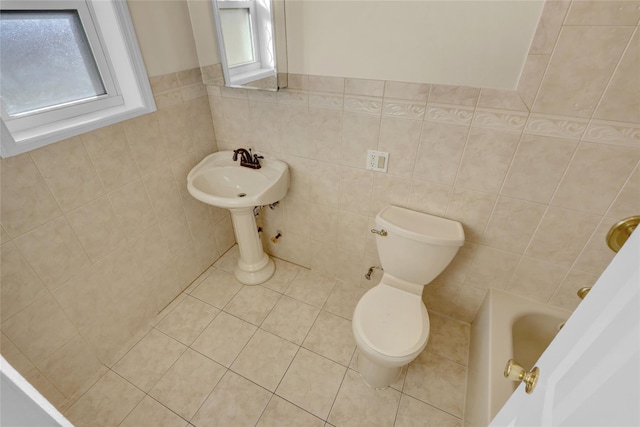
[[582, 292], [620, 232], [514, 372]]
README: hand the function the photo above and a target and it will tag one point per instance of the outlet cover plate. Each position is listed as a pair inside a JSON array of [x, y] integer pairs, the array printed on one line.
[[377, 161]]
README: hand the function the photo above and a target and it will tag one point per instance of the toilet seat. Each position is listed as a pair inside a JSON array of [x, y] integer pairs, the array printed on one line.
[[391, 321]]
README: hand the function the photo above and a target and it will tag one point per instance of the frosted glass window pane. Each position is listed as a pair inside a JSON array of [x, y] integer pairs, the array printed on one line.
[[45, 60], [238, 40]]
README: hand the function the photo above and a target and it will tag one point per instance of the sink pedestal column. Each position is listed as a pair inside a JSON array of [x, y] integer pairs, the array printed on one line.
[[254, 265]]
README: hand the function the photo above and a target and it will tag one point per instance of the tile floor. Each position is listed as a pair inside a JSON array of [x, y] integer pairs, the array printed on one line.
[[277, 354]]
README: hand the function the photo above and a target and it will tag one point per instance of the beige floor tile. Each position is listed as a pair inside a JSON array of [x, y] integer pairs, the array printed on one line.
[[149, 360], [291, 319], [449, 338], [398, 384], [280, 413], [360, 405], [252, 303], [187, 320], [192, 287], [312, 383], [354, 360], [129, 344], [311, 287], [437, 381], [343, 299], [229, 260], [414, 413], [224, 338], [151, 413], [107, 403], [235, 402], [284, 275], [331, 336], [188, 383], [310, 386], [265, 359], [218, 288], [168, 309]]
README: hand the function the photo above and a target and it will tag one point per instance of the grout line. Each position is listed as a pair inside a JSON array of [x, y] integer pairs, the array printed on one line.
[[347, 368], [265, 407], [626, 49], [167, 407], [550, 55], [335, 398]]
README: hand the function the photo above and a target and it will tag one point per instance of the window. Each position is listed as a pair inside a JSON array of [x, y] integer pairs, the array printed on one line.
[[239, 36], [67, 67], [245, 39]]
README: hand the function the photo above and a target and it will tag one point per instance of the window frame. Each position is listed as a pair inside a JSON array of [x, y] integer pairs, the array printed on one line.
[[264, 62], [57, 112], [109, 30]]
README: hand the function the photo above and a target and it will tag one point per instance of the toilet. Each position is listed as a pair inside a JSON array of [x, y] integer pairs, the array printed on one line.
[[390, 322]]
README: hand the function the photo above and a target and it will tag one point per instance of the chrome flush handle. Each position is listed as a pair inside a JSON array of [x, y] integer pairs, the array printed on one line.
[[381, 232]]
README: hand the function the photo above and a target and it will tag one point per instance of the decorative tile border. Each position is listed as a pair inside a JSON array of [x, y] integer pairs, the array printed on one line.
[[327, 101], [194, 91], [168, 98], [404, 109], [556, 126], [449, 114], [263, 96], [214, 90], [293, 97], [230, 92], [363, 104], [500, 119], [211, 73], [164, 82], [614, 133]]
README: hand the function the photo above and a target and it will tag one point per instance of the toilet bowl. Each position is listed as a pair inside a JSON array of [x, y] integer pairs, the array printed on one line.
[[390, 322]]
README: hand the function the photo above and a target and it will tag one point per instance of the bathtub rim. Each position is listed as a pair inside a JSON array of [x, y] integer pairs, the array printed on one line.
[[490, 347]]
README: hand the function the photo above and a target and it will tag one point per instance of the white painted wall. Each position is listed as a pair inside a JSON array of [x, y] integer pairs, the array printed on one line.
[[204, 32], [164, 33], [480, 43]]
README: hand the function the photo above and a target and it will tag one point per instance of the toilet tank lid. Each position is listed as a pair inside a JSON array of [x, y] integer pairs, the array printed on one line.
[[421, 226]]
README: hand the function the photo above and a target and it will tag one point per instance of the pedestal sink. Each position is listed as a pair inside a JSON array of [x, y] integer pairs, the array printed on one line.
[[219, 181]]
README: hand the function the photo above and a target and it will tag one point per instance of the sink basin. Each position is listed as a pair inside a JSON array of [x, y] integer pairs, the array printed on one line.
[[219, 181]]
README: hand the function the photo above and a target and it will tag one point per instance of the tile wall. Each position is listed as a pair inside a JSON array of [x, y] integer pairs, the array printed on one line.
[[99, 234], [537, 176]]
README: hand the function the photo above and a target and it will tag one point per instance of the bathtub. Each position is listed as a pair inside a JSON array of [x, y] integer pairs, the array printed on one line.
[[506, 327]]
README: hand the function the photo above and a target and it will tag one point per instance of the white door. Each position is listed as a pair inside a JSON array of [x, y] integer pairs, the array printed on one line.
[[590, 374]]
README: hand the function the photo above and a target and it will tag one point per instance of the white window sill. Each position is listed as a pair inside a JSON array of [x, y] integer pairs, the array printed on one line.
[[251, 76]]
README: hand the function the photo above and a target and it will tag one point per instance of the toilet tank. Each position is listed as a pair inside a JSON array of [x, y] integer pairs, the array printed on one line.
[[418, 246]]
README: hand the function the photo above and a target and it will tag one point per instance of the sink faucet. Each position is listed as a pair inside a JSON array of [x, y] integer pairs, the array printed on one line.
[[247, 159]]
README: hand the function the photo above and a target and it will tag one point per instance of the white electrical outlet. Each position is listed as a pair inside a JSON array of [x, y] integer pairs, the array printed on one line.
[[377, 161]]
